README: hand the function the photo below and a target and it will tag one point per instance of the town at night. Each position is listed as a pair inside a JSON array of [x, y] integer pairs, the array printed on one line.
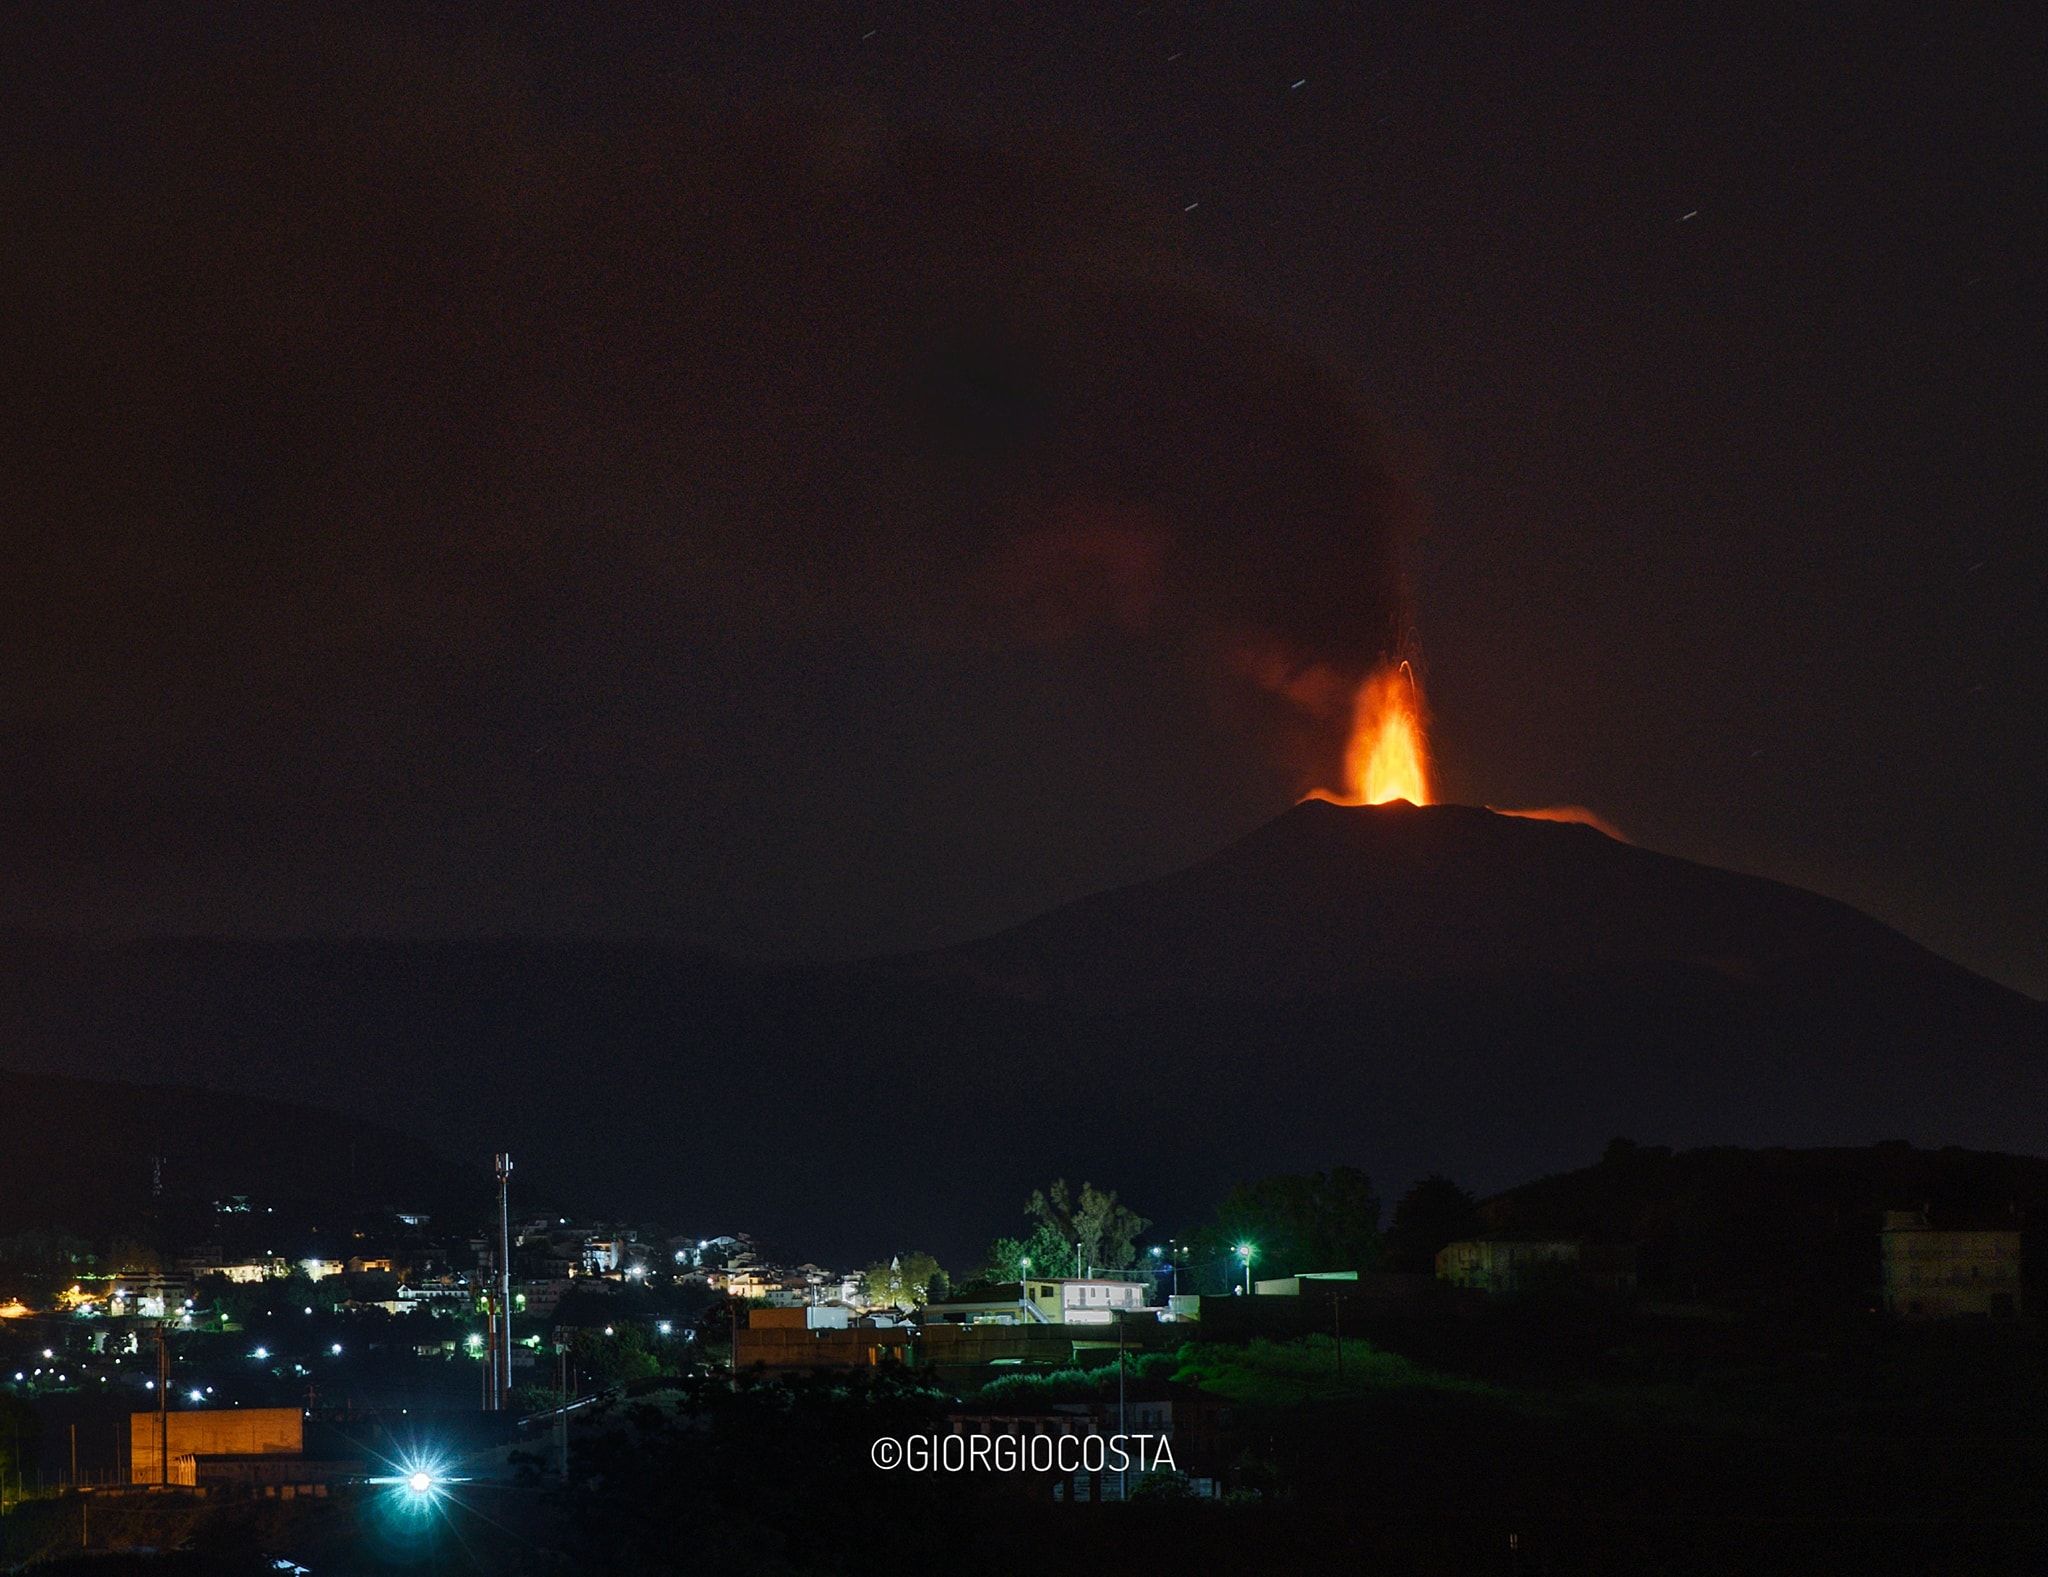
[[1157, 788]]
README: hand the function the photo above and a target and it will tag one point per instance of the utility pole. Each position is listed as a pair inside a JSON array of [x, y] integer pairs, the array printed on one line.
[[488, 1374], [1123, 1473], [562, 1408], [504, 1399], [163, 1403], [74, 1456]]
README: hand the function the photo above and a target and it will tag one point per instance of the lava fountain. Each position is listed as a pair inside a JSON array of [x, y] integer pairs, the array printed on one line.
[[1387, 757], [1388, 754]]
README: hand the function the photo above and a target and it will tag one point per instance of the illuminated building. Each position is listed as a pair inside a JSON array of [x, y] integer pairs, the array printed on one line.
[[1935, 1273], [1086, 1300]]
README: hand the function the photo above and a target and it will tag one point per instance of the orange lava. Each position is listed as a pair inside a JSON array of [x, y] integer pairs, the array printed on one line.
[[1388, 756]]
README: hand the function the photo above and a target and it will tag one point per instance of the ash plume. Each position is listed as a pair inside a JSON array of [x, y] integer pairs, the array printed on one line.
[[380, 406]]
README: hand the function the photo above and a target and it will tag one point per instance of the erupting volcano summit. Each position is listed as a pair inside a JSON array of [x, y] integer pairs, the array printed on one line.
[[1388, 754]]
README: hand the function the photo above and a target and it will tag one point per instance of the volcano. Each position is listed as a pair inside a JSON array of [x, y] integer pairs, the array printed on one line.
[[1406, 989], [1330, 898]]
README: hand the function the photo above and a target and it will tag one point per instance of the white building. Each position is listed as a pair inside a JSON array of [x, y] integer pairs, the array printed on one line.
[[1086, 1300]]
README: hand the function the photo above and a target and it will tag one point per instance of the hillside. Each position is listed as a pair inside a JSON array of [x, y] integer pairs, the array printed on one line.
[[1327, 898], [1734, 1223], [1405, 990], [78, 1154]]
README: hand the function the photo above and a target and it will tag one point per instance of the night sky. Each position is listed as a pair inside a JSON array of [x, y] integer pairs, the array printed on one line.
[[827, 484]]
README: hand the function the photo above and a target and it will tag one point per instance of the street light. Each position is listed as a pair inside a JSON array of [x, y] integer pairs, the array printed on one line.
[[1024, 1279], [1158, 1253], [1245, 1252], [420, 1483]]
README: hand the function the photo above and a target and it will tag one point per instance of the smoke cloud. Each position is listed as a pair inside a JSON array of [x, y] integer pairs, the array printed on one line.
[[377, 406]]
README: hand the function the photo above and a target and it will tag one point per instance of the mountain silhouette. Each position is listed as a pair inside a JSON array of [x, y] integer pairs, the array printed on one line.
[[1398, 988], [1327, 898]]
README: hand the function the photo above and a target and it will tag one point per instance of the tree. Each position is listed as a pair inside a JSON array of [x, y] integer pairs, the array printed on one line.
[[1049, 1254], [19, 1430], [1434, 1212], [1317, 1221], [243, 1303], [612, 1359], [907, 1281], [127, 1257], [1104, 1230], [54, 1253]]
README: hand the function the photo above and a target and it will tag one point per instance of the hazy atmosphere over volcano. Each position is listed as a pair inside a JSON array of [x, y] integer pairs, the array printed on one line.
[[834, 486], [1135, 785]]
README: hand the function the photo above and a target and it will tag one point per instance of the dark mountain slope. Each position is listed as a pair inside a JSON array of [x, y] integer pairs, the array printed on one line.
[[1326, 898], [1771, 1225], [1406, 990], [78, 1154]]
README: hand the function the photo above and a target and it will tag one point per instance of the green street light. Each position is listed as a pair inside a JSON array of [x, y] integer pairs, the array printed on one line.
[[1245, 1251]]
